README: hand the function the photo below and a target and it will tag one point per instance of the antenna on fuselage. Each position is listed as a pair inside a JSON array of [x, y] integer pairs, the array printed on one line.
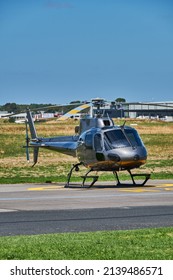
[[123, 125], [110, 120]]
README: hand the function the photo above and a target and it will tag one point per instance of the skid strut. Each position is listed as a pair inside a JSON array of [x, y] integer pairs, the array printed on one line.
[[76, 168], [146, 175], [95, 178]]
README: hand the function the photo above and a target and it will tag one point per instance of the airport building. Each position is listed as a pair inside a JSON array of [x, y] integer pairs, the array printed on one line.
[[157, 110], [3, 113]]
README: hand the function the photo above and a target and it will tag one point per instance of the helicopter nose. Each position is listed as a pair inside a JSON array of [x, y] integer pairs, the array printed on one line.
[[114, 157], [117, 158]]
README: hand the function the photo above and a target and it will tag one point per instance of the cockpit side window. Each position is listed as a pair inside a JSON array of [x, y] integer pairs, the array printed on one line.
[[88, 140], [107, 144], [98, 142]]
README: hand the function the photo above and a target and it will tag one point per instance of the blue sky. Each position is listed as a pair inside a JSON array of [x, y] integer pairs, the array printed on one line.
[[56, 51]]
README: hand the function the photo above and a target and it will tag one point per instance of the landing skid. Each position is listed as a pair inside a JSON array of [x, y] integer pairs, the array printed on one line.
[[146, 175], [86, 176], [95, 178]]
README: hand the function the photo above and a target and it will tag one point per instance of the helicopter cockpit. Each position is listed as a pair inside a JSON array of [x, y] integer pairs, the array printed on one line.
[[112, 138], [119, 144], [119, 138]]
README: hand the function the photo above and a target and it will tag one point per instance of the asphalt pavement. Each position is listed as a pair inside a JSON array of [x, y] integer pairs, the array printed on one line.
[[51, 208]]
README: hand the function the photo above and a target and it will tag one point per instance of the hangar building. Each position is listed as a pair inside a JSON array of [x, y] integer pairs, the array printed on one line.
[[159, 110]]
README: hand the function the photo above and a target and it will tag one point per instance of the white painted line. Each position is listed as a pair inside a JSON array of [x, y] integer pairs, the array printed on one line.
[[7, 210]]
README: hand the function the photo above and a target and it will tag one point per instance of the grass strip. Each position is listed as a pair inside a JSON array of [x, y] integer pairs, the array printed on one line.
[[148, 244]]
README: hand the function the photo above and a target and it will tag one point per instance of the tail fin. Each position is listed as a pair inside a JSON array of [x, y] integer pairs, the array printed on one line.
[[31, 124], [33, 135]]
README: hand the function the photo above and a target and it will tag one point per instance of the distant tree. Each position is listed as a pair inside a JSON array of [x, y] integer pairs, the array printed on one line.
[[11, 107], [120, 99], [11, 120], [77, 101]]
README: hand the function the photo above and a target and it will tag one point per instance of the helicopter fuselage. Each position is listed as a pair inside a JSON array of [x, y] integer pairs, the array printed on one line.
[[100, 145], [108, 148], [111, 148]]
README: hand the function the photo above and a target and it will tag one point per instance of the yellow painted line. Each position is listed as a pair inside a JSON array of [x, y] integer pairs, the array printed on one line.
[[164, 185], [45, 188], [138, 190]]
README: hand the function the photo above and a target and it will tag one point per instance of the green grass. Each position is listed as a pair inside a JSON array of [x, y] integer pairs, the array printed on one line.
[[14, 169], [159, 163], [158, 140], [149, 244], [10, 146], [58, 173]]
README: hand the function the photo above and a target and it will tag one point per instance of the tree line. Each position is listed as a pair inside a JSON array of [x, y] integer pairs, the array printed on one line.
[[17, 108]]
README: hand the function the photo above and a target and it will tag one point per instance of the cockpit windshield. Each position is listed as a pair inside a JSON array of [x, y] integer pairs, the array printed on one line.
[[118, 138], [133, 137]]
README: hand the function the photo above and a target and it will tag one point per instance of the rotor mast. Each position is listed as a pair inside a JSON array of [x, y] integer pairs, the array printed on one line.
[[97, 103]]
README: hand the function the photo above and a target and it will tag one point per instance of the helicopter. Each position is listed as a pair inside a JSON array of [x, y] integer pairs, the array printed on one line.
[[98, 144]]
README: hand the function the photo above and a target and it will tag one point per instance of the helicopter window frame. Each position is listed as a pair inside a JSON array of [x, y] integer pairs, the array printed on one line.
[[98, 146], [89, 140], [107, 145]]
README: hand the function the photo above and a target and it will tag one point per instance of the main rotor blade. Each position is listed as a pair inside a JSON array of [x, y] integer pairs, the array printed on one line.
[[57, 105], [44, 108], [12, 114], [74, 112]]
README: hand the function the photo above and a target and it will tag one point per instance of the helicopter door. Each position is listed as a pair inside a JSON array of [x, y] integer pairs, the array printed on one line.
[[89, 141], [88, 151], [98, 146]]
